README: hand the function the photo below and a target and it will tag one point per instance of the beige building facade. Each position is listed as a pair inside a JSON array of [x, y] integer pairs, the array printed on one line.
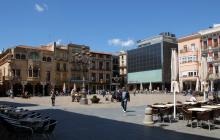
[[100, 73], [189, 50], [38, 69], [123, 67]]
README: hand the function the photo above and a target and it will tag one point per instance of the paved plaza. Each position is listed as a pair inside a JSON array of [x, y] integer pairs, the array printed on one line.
[[107, 121]]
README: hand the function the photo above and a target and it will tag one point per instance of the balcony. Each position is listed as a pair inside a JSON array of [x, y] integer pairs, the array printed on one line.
[[122, 66], [33, 78], [183, 51]]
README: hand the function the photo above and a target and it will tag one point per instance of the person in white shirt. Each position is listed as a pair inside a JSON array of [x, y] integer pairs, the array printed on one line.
[[193, 98]]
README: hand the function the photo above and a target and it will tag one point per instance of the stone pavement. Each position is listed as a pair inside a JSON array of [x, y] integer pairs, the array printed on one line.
[[100, 122]]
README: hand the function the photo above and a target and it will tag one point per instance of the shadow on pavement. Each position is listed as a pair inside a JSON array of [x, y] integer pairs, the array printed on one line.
[[73, 126], [16, 104]]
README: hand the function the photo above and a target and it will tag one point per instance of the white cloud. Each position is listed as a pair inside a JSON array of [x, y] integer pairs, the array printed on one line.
[[121, 43], [58, 42], [40, 7]]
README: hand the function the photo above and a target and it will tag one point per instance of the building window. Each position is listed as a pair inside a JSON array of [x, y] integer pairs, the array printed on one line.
[[205, 45], [185, 48], [190, 74], [100, 65], [215, 42], [34, 56], [216, 69], [48, 59], [48, 76], [108, 77], [35, 72], [93, 65], [195, 73], [107, 66], [210, 42], [17, 56], [108, 56], [58, 66], [23, 56], [101, 56], [93, 77], [30, 72], [44, 58], [100, 77], [189, 58], [64, 67], [194, 58], [216, 55], [193, 47]]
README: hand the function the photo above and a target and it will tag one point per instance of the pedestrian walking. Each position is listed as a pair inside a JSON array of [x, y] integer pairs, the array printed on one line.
[[73, 92], [134, 92], [125, 99], [53, 96], [11, 93]]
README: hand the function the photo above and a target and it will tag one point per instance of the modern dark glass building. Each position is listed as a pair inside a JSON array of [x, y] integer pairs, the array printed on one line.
[[150, 62]]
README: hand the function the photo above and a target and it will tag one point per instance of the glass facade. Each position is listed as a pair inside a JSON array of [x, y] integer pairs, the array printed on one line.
[[145, 58]]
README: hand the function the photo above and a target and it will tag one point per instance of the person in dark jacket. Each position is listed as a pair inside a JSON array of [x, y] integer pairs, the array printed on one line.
[[125, 99], [53, 96]]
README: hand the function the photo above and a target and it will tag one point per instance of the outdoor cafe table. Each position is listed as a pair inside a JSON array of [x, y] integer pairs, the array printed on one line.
[[211, 106], [164, 105], [199, 109], [189, 103]]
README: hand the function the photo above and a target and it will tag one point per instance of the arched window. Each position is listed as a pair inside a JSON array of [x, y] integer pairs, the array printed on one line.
[[23, 56], [35, 72], [48, 59], [17, 56], [30, 71], [44, 58]]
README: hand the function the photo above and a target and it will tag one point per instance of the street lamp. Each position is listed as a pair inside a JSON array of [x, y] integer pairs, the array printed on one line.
[[116, 79], [82, 59]]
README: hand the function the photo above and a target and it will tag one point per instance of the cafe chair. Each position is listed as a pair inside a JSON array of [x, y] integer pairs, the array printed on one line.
[[205, 116]]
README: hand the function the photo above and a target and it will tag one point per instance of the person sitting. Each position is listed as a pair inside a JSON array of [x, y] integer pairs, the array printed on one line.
[[192, 98]]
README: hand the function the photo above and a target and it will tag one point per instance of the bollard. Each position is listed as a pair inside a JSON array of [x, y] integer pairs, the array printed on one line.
[[148, 120]]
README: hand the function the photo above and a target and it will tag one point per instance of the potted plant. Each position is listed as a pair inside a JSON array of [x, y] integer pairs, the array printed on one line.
[[94, 99]]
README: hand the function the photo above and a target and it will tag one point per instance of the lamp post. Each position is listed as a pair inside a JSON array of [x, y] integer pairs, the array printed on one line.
[[116, 79], [82, 59]]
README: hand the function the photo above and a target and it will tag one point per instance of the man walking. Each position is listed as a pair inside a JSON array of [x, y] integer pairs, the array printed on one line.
[[125, 99], [53, 96]]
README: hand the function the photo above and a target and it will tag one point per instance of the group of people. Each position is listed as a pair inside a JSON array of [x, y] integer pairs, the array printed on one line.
[[121, 95]]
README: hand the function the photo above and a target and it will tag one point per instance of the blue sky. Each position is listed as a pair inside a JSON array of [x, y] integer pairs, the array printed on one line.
[[104, 25]]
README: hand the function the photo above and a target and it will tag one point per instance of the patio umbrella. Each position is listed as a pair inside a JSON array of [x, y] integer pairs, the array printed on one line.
[[64, 88], [197, 84], [181, 85], [174, 77], [203, 76], [141, 87], [74, 86], [150, 87]]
